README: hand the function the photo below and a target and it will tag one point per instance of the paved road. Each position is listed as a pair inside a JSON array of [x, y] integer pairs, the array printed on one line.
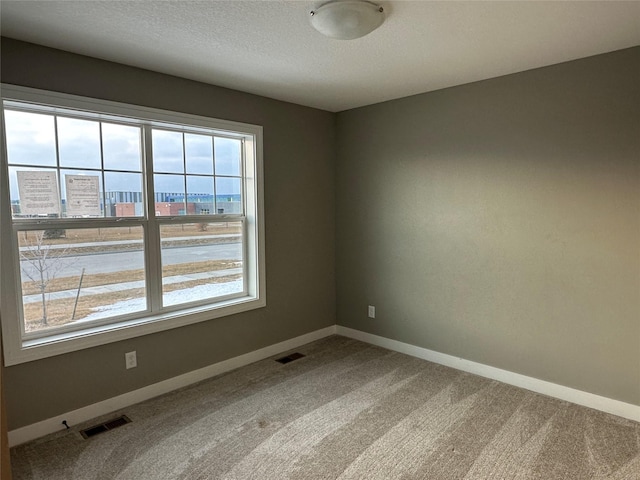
[[131, 260]]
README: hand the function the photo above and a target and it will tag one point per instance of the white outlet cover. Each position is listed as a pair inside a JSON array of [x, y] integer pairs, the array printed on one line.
[[372, 311], [130, 359]]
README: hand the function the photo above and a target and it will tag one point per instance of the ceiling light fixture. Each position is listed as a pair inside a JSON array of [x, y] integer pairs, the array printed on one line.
[[347, 19]]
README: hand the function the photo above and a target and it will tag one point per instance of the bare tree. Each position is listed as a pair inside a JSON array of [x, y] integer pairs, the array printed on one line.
[[45, 262]]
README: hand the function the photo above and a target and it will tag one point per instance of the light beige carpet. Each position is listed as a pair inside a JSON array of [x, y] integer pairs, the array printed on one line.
[[346, 411]]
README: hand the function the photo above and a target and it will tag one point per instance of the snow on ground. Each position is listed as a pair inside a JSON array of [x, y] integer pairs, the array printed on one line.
[[176, 297]]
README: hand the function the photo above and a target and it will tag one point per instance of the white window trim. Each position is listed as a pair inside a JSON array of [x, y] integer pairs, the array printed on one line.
[[17, 350]]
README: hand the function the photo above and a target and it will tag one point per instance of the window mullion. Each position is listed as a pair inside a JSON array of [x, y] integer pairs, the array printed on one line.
[[243, 173], [58, 168], [103, 197], [184, 175], [214, 203], [153, 260]]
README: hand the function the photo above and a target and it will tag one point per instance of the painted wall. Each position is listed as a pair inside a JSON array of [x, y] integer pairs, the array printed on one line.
[[497, 221], [299, 156], [500, 222], [5, 464]]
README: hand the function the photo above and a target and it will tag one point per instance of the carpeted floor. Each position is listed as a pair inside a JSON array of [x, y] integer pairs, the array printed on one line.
[[347, 410]]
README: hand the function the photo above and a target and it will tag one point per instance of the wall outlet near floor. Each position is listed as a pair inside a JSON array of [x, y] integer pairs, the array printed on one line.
[[130, 359], [372, 311]]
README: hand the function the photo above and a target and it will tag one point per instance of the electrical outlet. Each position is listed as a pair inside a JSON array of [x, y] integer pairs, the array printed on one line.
[[372, 311], [130, 359]]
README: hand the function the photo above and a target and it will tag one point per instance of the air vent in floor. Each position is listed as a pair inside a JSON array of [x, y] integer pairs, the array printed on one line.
[[103, 427], [290, 358]]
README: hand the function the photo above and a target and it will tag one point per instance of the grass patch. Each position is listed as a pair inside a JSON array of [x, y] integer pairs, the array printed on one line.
[[98, 279], [88, 235]]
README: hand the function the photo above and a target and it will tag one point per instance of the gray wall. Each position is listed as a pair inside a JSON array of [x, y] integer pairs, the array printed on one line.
[[500, 222], [299, 156], [497, 221]]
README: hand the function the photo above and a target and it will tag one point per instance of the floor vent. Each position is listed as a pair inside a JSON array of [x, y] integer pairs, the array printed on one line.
[[103, 427], [290, 358]]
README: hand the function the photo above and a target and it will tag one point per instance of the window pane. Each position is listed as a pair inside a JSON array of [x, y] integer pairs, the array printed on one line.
[[121, 147], [199, 153], [228, 195], [169, 195], [200, 195], [228, 156], [123, 192], [34, 192], [31, 138], [167, 151], [79, 143], [74, 276], [81, 194], [201, 261]]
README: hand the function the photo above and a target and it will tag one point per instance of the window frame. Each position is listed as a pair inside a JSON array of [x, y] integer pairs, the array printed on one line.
[[19, 347]]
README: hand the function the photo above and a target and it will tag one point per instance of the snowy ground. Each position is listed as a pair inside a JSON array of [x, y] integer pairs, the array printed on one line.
[[176, 297]]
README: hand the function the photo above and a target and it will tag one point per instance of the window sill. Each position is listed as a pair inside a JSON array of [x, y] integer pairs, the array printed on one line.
[[52, 345]]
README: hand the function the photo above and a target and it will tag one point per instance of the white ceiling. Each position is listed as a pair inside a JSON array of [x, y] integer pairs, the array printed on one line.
[[269, 47]]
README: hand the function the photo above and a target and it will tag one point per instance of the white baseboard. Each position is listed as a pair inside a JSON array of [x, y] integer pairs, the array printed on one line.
[[597, 402], [50, 425]]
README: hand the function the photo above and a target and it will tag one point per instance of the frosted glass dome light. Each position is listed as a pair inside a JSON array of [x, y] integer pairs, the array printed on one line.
[[347, 19]]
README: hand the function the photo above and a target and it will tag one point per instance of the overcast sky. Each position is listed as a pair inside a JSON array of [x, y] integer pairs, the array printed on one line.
[[31, 141]]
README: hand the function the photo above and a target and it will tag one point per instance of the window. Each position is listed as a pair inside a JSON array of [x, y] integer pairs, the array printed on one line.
[[119, 221]]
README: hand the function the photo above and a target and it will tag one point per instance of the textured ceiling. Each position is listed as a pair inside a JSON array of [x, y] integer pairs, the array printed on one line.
[[269, 47]]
